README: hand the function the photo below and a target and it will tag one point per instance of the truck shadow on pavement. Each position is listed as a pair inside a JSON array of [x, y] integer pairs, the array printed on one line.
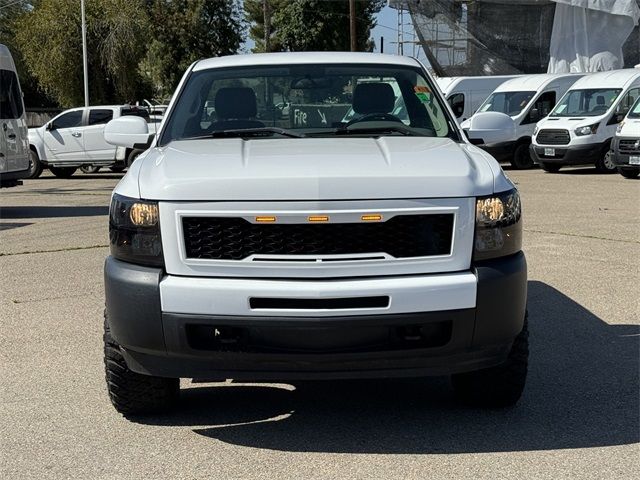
[[582, 392]]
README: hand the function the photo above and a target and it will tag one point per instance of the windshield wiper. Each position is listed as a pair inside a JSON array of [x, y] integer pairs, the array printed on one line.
[[386, 129], [246, 132]]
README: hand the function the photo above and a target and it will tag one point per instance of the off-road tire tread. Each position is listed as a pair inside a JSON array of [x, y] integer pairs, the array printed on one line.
[[500, 386], [515, 163], [132, 393]]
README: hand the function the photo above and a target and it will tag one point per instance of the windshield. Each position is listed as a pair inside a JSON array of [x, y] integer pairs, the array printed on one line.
[[510, 103], [307, 100], [635, 110], [586, 103]]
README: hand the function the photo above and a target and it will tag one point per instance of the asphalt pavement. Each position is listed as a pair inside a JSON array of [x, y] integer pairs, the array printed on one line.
[[579, 416]]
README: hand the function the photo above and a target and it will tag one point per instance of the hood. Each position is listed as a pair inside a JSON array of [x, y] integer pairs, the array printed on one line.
[[630, 127], [313, 169]]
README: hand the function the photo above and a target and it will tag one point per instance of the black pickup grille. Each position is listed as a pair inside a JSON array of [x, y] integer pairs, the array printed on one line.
[[629, 146], [235, 238], [550, 136]]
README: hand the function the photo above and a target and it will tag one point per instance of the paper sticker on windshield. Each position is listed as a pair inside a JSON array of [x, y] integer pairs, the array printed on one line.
[[424, 97], [421, 89]]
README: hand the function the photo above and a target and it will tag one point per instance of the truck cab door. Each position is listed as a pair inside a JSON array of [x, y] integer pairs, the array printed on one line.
[[95, 146], [63, 137]]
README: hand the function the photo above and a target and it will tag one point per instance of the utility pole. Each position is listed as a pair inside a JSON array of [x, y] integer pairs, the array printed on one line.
[[352, 25], [266, 8], [84, 56]]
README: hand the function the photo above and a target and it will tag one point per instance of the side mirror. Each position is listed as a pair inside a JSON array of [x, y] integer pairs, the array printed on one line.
[[490, 127], [534, 115], [129, 131], [50, 126]]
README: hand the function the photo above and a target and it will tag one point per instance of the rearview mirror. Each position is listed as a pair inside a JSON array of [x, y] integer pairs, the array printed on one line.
[[50, 126], [534, 115], [130, 132]]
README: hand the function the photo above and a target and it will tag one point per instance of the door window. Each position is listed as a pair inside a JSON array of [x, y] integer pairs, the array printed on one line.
[[68, 120], [627, 101], [457, 104], [540, 108], [10, 97], [100, 117]]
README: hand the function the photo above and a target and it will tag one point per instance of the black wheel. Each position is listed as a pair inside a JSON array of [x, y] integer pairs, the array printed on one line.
[[605, 164], [89, 169], [629, 172], [499, 386], [117, 169], [521, 157], [133, 154], [551, 167], [35, 167], [132, 393], [63, 172]]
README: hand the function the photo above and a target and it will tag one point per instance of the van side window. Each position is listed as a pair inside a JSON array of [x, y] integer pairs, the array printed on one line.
[[457, 104], [68, 120], [627, 101], [10, 97], [543, 105], [100, 116]]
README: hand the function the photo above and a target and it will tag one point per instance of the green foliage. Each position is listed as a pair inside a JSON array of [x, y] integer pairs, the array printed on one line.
[[188, 30], [313, 25]]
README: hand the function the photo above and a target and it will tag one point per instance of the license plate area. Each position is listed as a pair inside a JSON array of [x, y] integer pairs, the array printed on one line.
[[549, 152], [634, 160]]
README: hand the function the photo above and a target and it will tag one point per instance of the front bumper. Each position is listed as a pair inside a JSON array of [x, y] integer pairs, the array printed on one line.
[[267, 346], [569, 155], [622, 159]]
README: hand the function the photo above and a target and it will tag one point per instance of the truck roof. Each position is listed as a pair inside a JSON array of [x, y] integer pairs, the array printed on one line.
[[300, 58], [535, 82], [447, 84], [609, 79]]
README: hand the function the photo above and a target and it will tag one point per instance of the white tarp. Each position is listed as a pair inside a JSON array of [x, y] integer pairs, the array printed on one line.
[[588, 35]]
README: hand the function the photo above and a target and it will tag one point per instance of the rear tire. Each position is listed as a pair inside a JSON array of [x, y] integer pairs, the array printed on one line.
[[63, 172], [605, 164], [629, 172], [499, 386], [89, 169], [132, 393], [35, 167], [550, 167], [522, 158], [117, 169]]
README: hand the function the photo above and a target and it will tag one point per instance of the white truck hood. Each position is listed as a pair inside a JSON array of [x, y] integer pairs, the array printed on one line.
[[630, 128], [312, 169]]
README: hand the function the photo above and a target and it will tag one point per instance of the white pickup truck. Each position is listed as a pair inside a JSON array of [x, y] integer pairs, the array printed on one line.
[[75, 138], [250, 246]]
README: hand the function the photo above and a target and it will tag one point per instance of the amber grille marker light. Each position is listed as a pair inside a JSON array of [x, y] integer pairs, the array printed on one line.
[[371, 217], [266, 219], [318, 218]]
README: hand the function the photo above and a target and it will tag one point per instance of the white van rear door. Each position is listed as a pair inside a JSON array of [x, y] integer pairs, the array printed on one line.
[[14, 146]]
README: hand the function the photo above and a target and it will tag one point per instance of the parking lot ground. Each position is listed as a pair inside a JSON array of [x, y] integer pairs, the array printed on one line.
[[579, 416]]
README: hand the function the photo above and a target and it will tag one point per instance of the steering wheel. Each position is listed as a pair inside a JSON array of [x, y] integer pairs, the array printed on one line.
[[374, 116]]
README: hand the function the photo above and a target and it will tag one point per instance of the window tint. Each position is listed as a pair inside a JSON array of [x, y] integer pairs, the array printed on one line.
[[627, 101], [136, 112], [589, 102], [69, 120], [10, 96], [540, 108], [457, 104], [510, 103], [99, 117]]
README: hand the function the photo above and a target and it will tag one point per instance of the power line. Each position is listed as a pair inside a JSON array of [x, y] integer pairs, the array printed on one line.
[[7, 5]]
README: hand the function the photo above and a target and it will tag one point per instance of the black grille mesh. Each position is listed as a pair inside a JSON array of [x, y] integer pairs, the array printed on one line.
[[553, 137], [236, 239], [628, 146]]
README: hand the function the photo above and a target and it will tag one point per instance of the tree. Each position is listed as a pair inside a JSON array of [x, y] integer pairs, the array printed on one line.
[[48, 38], [184, 31], [255, 15], [313, 25]]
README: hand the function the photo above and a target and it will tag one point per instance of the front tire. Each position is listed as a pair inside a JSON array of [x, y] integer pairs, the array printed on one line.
[[550, 167], [499, 386], [132, 393], [522, 158], [629, 172], [132, 156], [35, 167], [63, 172], [605, 164], [117, 169], [89, 169]]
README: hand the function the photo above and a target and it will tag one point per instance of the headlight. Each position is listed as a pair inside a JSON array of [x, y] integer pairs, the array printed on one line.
[[620, 125], [588, 130], [134, 231], [535, 130], [498, 225]]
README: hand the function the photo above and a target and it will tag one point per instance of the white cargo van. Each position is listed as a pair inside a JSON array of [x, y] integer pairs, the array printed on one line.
[[626, 144], [466, 94], [580, 128], [14, 146], [505, 121]]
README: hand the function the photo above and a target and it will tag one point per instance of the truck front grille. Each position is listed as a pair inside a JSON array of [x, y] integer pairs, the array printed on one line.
[[222, 238], [551, 136], [629, 146]]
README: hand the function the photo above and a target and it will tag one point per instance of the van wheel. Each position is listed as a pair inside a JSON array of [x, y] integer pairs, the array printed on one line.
[[63, 172], [89, 169], [132, 393], [35, 167], [551, 167], [499, 386], [521, 157], [117, 169], [132, 157], [629, 172], [605, 164]]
